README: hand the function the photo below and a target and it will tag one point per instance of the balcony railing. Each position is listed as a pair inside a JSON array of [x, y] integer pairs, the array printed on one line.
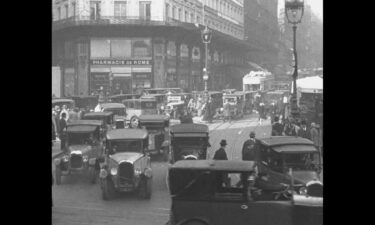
[[112, 20]]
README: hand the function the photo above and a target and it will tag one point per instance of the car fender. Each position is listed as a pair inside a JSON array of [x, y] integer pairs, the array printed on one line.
[[202, 220]]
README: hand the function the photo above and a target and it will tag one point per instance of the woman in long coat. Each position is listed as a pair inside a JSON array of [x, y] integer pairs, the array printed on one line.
[[227, 115]]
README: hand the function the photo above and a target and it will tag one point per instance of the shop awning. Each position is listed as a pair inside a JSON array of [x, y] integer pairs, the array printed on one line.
[[310, 84]]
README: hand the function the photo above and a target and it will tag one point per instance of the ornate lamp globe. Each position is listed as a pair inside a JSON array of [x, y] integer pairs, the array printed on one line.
[[294, 10]]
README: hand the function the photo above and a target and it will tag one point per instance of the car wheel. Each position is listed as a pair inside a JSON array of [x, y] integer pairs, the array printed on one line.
[[144, 190], [108, 189], [148, 188], [92, 175], [58, 175], [134, 121]]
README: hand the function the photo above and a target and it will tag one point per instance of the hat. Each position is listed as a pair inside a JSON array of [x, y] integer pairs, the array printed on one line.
[[252, 134], [223, 142], [313, 124]]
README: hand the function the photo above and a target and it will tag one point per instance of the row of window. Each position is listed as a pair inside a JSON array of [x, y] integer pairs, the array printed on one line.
[[120, 48], [226, 8], [190, 17], [66, 11], [120, 8]]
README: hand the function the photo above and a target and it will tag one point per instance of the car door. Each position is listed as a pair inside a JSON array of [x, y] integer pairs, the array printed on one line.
[[230, 203]]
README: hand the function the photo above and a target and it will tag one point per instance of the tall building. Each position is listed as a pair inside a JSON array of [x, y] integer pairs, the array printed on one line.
[[128, 45], [261, 30]]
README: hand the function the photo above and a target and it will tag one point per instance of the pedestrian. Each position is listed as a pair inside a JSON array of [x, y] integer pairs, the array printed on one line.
[[208, 112], [66, 111], [261, 112], [289, 129], [63, 128], [227, 115], [220, 154], [248, 148], [56, 115], [277, 127], [98, 107], [303, 131], [74, 115]]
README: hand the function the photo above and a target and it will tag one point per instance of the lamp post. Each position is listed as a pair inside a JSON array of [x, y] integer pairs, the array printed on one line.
[[206, 38], [294, 12]]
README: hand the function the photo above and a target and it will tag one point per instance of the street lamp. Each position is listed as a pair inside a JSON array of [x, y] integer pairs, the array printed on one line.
[[294, 12], [206, 38]]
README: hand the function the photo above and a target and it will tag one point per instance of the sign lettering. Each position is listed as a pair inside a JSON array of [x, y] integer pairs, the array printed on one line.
[[120, 62]]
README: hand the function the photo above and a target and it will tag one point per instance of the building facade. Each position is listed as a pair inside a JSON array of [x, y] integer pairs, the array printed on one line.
[[125, 46], [261, 29]]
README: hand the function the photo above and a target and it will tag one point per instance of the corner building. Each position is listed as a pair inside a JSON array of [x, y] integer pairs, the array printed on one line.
[[126, 46]]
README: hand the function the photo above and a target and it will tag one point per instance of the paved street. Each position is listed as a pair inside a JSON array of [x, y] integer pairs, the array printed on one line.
[[77, 201]]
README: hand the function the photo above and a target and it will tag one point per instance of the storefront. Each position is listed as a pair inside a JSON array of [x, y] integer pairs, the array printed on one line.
[[120, 65]]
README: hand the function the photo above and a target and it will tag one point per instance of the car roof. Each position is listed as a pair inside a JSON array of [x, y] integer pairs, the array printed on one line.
[[85, 122], [215, 165], [152, 95], [189, 128], [284, 140], [81, 129], [112, 105], [123, 95], [140, 100], [292, 148], [153, 118], [60, 100], [98, 114], [126, 133]]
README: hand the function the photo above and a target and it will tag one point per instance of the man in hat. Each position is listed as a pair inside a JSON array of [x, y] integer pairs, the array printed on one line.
[[248, 148], [63, 127], [66, 111], [220, 154], [315, 135], [277, 127], [303, 132]]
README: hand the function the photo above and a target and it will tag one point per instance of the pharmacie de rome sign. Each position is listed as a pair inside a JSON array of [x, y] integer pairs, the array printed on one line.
[[120, 62]]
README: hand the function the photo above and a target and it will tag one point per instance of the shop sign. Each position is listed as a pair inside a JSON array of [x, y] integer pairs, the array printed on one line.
[[143, 76], [121, 62]]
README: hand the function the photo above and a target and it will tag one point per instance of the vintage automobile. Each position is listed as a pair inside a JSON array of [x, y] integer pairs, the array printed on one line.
[[84, 146], [228, 91], [156, 126], [276, 155], [63, 101], [86, 102], [162, 90], [138, 107], [119, 112], [106, 117], [127, 166], [188, 141], [222, 192], [236, 103], [119, 98], [160, 101]]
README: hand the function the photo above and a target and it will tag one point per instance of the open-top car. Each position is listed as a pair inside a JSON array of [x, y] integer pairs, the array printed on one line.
[[236, 103], [188, 141], [127, 166], [276, 155], [156, 126], [119, 112], [84, 146], [106, 117], [222, 192], [119, 98]]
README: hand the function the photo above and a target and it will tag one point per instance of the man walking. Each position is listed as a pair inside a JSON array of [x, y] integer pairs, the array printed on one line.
[[315, 136], [248, 148], [63, 128], [303, 132], [220, 154], [277, 127]]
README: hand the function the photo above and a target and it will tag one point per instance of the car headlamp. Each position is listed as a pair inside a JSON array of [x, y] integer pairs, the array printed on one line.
[[137, 172], [114, 171], [85, 158], [103, 173], [302, 190]]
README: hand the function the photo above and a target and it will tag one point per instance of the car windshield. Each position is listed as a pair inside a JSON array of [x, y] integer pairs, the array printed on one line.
[[116, 111], [300, 161], [148, 105], [188, 146], [128, 145], [80, 138]]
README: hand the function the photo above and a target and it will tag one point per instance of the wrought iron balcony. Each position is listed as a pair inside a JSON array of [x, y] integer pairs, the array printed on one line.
[[113, 20]]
